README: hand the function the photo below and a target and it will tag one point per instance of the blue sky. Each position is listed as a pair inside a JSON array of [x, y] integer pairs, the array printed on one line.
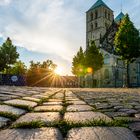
[[53, 29]]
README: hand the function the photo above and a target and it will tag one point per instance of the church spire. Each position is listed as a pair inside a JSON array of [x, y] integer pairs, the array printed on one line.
[[98, 4], [121, 5]]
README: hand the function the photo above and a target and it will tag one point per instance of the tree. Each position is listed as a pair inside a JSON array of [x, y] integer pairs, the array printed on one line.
[[78, 68], [41, 74], [18, 68], [93, 58], [8, 54], [127, 43]]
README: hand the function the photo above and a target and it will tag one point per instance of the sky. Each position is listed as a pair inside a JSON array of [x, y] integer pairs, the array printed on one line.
[[53, 29]]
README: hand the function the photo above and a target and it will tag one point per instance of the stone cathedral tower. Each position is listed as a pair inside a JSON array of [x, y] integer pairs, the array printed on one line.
[[98, 19]]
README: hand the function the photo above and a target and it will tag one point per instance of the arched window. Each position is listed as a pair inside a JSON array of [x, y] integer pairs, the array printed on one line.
[[109, 16], [106, 59], [106, 74], [91, 16], [91, 27], [105, 14], [96, 24], [96, 14]]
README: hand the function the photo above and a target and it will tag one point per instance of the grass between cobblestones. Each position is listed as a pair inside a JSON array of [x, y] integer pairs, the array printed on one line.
[[47, 98], [65, 126], [32, 124], [9, 115]]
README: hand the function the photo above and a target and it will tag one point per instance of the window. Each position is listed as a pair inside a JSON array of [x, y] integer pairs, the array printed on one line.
[[91, 27], [106, 74], [109, 16], [96, 14], [91, 16], [106, 59], [96, 24], [105, 14]]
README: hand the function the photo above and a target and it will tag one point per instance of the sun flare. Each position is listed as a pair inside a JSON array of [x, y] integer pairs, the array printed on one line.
[[58, 71]]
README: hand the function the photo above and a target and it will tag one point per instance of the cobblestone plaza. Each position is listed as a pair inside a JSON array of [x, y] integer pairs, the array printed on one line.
[[72, 114]]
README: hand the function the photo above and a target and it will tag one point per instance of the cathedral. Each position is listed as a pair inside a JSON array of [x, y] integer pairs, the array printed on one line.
[[101, 26]]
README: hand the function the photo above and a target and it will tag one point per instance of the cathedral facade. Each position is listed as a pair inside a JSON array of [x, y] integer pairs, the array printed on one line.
[[101, 26]]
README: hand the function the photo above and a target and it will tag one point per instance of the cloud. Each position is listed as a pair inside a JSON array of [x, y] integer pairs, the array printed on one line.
[[44, 26], [5, 2], [54, 27]]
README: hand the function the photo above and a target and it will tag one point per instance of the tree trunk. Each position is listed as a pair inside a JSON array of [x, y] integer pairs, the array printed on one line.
[[128, 76]]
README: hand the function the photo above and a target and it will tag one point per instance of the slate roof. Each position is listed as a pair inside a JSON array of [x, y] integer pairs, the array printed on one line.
[[98, 4], [119, 17]]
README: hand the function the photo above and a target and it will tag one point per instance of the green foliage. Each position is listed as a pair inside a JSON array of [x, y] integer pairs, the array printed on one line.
[[8, 54], [18, 68], [65, 126], [9, 115], [127, 41], [93, 57], [32, 124], [41, 74], [78, 63]]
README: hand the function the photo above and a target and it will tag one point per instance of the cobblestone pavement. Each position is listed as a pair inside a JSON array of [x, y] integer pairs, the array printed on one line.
[[69, 114]]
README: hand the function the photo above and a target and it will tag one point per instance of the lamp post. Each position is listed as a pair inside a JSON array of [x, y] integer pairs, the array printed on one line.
[[99, 74], [115, 65]]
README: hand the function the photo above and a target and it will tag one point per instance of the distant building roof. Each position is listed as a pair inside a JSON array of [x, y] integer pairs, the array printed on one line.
[[119, 17], [98, 4]]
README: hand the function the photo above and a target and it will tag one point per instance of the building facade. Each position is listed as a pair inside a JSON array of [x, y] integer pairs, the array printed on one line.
[[101, 26]]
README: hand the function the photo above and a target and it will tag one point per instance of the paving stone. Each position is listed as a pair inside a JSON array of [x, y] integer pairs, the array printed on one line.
[[58, 96], [31, 99], [55, 100], [31, 134], [103, 106], [135, 127], [71, 99], [118, 107], [3, 121], [10, 109], [100, 133], [52, 103], [83, 117], [79, 108], [76, 102], [21, 102], [128, 111], [116, 114], [46, 117], [49, 108], [5, 96], [40, 96]]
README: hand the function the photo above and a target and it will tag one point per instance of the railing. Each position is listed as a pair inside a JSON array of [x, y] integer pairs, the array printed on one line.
[[12, 80]]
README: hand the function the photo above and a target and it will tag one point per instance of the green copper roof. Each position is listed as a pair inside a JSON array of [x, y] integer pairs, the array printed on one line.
[[119, 17], [98, 4]]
